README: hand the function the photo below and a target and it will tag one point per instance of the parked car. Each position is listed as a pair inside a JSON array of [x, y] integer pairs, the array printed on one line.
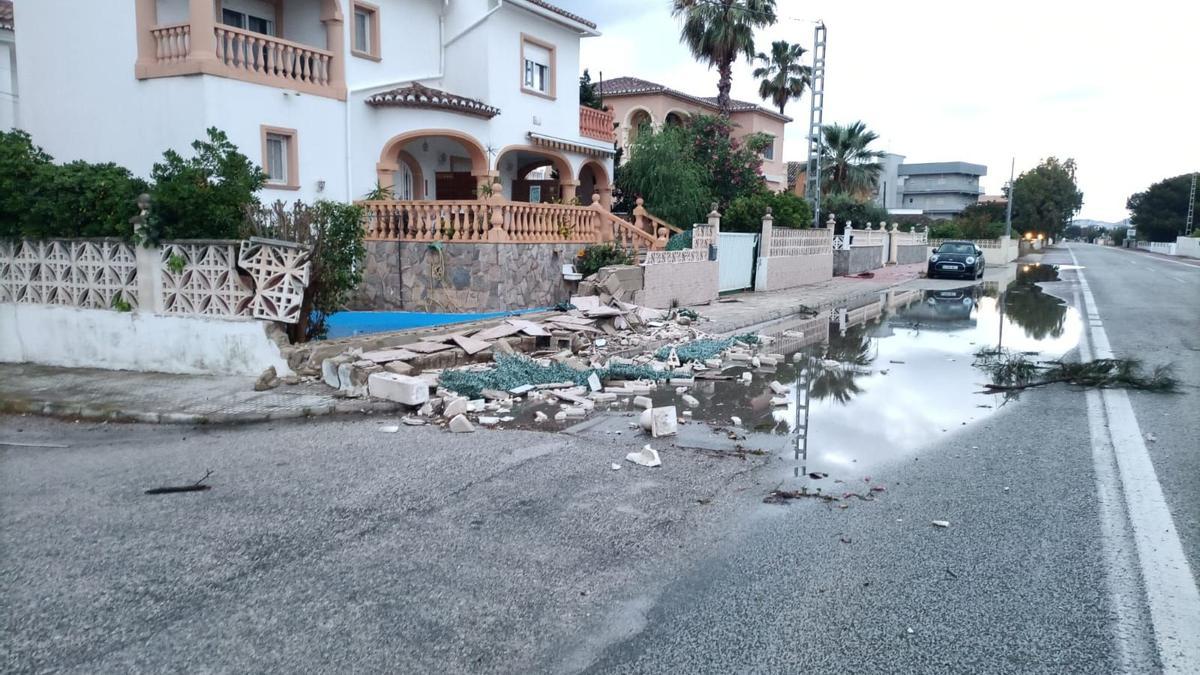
[[958, 259]]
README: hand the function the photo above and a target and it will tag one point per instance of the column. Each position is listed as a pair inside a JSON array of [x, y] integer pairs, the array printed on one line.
[[203, 19], [335, 41]]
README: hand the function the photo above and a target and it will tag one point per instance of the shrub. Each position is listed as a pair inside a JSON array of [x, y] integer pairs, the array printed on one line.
[[204, 196], [681, 241], [849, 208], [41, 199], [334, 233], [83, 200], [732, 165], [745, 213], [592, 258]]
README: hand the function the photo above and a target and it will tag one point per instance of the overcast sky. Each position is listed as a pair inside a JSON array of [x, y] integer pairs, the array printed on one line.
[[1112, 84]]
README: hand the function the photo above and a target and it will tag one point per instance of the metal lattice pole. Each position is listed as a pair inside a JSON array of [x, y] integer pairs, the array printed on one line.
[[816, 116], [1187, 228]]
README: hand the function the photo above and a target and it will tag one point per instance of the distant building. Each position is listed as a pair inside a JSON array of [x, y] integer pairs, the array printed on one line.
[[940, 189], [993, 199], [638, 103]]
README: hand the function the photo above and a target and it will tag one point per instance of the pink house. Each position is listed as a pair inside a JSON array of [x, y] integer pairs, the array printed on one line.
[[637, 103]]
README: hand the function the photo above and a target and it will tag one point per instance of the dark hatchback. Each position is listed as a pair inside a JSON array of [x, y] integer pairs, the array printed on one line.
[[956, 259]]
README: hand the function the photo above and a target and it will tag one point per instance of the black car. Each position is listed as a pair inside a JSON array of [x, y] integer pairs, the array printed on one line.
[[957, 259]]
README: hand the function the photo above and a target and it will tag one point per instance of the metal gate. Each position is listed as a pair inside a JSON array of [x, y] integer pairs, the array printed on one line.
[[736, 256]]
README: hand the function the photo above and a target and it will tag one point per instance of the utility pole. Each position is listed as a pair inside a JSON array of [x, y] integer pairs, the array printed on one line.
[[1008, 209], [1187, 228], [816, 116]]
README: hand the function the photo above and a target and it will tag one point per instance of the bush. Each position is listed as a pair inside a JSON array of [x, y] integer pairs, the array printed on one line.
[[84, 200], [849, 208], [334, 233], [745, 213], [592, 258], [731, 165], [40, 199], [204, 196]]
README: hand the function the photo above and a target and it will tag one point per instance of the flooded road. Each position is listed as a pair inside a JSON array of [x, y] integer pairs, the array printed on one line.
[[869, 382]]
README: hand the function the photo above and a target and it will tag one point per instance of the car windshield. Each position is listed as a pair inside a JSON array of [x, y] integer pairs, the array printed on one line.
[[956, 248]]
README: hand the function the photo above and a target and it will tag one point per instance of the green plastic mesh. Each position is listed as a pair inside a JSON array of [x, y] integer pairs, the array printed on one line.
[[514, 371], [707, 348]]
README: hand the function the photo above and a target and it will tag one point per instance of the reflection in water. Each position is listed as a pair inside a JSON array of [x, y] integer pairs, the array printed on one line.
[[1040, 314], [839, 382]]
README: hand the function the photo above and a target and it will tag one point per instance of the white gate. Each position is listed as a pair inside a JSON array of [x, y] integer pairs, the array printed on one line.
[[736, 256]]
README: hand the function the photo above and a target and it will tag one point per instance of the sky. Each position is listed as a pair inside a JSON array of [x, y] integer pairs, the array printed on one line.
[[1106, 83]]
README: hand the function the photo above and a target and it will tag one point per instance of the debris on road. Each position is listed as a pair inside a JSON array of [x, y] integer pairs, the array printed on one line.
[[390, 428], [647, 456], [615, 466], [941, 523], [198, 486], [461, 425]]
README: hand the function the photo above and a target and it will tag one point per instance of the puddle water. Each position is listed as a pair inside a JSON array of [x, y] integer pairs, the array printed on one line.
[[869, 382]]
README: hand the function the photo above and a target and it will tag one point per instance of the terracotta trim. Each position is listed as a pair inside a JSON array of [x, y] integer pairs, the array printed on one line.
[[293, 156], [393, 153], [374, 53], [553, 92]]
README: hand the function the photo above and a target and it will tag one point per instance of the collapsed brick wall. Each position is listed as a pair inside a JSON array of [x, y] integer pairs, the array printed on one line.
[[690, 283]]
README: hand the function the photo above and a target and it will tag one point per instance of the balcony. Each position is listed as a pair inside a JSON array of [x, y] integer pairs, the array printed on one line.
[[597, 124], [201, 45]]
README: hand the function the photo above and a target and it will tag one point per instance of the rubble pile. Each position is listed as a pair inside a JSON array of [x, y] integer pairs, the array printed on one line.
[[600, 351]]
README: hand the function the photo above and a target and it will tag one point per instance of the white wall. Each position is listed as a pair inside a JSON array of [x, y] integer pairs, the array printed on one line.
[[409, 38], [101, 338]]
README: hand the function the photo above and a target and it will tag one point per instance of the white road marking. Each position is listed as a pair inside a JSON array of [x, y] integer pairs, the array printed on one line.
[[1147, 256], [1171, 594]]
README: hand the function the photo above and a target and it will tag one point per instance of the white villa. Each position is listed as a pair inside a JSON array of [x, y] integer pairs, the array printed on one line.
[[331, 97]]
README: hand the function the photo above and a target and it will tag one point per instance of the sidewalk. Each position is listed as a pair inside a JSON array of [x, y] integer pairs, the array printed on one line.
[[123, 396], [193, 399], [735, 312]]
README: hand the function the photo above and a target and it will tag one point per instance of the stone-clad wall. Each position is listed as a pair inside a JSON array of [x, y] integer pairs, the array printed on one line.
[[463, 277], [858, 259]]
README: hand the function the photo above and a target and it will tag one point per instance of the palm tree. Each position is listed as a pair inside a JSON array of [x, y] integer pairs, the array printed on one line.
[[719, 31], [783, 78], [847, 164]]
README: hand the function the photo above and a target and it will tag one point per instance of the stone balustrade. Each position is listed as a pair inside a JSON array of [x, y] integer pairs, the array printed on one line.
[[597, 124]]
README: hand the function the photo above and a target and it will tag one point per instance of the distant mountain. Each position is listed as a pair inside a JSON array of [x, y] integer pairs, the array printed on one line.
[[1100, 224]]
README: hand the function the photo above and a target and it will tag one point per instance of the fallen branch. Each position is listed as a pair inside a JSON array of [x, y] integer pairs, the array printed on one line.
[[198, 486], [1013, 372]]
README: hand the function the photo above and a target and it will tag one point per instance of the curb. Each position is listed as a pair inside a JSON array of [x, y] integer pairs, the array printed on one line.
[[86, 411]]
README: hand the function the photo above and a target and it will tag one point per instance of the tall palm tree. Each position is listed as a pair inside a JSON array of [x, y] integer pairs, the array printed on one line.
[[847, 164], [719, 31], [782, 76]]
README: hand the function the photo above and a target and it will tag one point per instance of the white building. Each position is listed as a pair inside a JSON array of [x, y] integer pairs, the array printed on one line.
[[8, 68], [330, 97]]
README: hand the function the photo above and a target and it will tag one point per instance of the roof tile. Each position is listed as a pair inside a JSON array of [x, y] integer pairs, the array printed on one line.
[[630, 86], [416, 95]]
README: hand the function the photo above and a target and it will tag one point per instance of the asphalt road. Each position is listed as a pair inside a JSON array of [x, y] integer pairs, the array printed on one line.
[[330, 546]]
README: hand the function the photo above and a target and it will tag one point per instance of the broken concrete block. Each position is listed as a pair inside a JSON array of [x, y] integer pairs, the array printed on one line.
[[399, 388], [476, 405], [502, 346], [521, 389], [778, 388], [755, 362], [660, 421], [540, 416], [602, 397], [643, 402], [681, 381], [576, 411], [648, 456], [746, 377], [268, 380], [493, 395], [461, 425], [712, 363], [779, 400], [489, 421], [767, 361], [413, 421], [329, 370], [560, 416], [690, 400], [455, 407], [737, 421], [398, 368], [354, 377], [594, 382]]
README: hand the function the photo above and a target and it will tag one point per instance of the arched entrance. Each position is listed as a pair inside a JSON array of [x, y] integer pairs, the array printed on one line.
[[639, 119], [531, 174], [433, 164], [675, 118], [593, 179]]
